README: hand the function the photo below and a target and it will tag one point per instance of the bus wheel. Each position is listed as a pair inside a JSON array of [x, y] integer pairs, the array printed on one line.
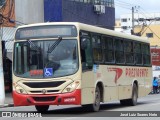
[[96, 105], [133, 100], [42, 108]]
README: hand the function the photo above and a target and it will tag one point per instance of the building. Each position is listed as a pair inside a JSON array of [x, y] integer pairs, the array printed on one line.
[[94, 12], [117, 26], [147, 25], [29, 11], [152, 32], [139, 20]]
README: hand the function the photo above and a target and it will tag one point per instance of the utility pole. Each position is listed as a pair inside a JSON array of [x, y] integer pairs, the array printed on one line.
[[132, 20], [2, 90]]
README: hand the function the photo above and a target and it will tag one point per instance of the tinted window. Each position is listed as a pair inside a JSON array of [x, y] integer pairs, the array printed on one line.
[[138, 53], [146, 54], [97, 48], [109, 49], [45, 59], [128, 48], [119, 51]]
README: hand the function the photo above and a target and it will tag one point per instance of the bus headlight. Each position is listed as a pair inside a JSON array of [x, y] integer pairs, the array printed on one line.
[[20, 90], [71, 87]]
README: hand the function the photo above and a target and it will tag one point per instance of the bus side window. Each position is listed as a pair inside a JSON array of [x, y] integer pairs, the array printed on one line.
[[146, 54], [138, 53], [109, 50], [97, 48], [128, 48], [119, 51], [86, 56]]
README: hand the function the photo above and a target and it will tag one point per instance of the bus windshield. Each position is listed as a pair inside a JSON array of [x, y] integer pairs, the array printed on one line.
[[45, 59]]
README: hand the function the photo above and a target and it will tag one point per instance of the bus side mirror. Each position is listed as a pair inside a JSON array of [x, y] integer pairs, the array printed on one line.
[[84, 43]]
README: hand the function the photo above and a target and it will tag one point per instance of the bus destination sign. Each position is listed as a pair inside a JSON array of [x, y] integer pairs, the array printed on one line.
[[46, 32]]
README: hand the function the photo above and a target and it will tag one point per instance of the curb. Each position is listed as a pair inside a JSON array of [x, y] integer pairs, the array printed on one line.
[[7, 105]]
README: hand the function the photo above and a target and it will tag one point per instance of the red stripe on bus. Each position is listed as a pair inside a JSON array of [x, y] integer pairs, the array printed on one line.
[[73, 98]]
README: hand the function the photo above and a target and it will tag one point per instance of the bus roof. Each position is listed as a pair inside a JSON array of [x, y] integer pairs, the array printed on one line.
[[94, 29]]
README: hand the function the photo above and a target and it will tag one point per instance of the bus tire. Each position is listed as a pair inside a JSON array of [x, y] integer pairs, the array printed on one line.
[[42, 108], [133, 100], [96, 105]]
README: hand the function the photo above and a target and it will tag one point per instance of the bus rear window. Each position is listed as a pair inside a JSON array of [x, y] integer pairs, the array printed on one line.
[[47, 31]]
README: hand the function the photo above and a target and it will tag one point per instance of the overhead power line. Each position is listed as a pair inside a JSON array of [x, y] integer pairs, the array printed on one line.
[[121, 6], [123, 3]]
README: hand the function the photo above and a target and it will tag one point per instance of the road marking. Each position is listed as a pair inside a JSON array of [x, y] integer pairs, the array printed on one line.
[[69, 118], [153, 104]]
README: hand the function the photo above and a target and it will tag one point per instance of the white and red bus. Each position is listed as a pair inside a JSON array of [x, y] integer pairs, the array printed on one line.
[[68, 63]]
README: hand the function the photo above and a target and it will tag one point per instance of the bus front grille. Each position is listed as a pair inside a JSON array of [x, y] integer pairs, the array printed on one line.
[[43, 84], [44, 99], [48, 91]]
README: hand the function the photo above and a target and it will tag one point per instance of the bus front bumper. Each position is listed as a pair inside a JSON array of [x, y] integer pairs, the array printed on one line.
[[73, 98]]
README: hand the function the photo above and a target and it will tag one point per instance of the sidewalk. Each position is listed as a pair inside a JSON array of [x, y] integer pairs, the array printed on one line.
[[8, 100]]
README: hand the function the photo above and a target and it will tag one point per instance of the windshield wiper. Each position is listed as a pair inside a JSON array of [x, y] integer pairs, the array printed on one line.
[[54, 45], [33, 45]]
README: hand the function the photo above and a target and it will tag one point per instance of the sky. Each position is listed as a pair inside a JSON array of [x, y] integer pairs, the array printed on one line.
[[143, 6]]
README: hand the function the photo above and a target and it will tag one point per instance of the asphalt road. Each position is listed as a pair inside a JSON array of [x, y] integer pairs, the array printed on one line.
[[147, 106]]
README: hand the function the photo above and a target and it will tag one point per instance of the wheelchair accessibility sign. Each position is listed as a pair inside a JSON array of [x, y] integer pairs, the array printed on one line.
[[48, 72]]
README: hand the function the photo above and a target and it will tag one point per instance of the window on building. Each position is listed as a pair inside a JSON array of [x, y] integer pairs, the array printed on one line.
[[124, 20], [124, 27], [149, 35]]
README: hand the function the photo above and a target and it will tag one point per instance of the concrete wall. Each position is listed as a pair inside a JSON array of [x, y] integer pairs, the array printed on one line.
[[29, 11]]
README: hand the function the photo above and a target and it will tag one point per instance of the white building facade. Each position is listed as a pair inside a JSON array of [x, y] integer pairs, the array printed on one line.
[[139, 20]]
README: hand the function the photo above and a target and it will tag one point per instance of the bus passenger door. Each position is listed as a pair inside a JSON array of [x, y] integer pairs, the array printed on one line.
[[87, 79]]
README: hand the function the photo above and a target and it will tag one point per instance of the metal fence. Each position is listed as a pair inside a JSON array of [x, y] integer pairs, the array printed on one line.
[[7, 35]]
